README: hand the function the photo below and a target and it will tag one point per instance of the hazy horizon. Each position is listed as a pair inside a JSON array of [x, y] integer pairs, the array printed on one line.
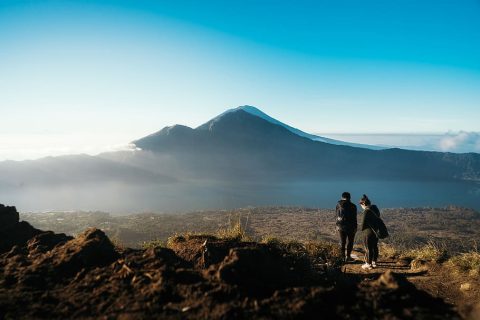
[[28, 148]]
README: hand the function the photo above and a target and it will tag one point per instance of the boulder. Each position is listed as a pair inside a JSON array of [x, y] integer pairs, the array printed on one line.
[[9, 217], [13, 232]]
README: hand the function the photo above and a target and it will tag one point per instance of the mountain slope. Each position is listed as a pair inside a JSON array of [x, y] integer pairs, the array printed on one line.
[[256, 112], [74, 170], [238, 159], [241, 145]]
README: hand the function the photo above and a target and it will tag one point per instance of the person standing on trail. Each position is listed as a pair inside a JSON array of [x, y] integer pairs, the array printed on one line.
[[346, 224], [370, 239]]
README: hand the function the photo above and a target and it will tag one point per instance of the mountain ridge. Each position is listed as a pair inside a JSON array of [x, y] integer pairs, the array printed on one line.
[[239, 159]]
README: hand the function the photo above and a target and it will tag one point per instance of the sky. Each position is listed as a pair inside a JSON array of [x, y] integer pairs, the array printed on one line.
[[91, 76]]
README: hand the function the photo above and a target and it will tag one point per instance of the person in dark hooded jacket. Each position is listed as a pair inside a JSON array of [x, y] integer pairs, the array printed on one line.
[[346, 224], [370, 239]]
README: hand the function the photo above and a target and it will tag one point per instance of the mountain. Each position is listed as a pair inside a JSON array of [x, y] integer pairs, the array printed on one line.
[[239, 158], [247, 144], [256, 112], [74, 169]]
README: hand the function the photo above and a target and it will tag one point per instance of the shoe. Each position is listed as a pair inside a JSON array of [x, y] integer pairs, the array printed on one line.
[[374, 264], [367, 266]]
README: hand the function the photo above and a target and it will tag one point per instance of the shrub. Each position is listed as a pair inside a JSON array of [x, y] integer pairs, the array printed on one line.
[[432, 251], [468, 262]]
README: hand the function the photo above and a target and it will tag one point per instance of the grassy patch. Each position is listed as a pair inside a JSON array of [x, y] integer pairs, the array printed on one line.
[[432, 251], [152, 244], [468, 262], [316, 252], [172, 240], [235, 232], [388, 250], [324, 252]]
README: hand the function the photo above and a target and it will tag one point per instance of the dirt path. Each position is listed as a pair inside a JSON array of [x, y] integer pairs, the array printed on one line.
[[383, 265], [436, 279]]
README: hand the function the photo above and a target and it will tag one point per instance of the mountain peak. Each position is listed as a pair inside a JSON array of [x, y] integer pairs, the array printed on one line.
[[244, 117], [254, 111], [247, 108]]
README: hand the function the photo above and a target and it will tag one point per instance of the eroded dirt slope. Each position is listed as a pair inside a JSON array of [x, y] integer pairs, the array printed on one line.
[[53, 276]]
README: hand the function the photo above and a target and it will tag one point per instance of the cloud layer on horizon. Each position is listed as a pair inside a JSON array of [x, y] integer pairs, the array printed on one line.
[[460, 142], [457, 142]]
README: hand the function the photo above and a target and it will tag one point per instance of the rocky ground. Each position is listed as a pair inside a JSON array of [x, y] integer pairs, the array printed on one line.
[[53, 276]]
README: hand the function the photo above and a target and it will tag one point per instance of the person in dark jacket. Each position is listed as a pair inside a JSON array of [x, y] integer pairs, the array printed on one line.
[[346, 224], [370, 239]]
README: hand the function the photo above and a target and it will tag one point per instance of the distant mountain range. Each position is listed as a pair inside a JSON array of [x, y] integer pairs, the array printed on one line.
[[240, 157], [245, 143]]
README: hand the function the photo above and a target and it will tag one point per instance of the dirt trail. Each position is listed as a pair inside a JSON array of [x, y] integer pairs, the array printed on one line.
[[436, 279], [383, 265]]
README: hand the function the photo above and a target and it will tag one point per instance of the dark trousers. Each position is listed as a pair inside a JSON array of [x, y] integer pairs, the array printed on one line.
[[344, 236], [370, 241]]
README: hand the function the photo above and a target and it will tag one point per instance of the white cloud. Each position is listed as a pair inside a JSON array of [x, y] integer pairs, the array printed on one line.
[[460, 142]]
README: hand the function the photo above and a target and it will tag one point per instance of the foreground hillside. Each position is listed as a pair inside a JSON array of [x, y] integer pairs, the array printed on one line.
[[55, 276]]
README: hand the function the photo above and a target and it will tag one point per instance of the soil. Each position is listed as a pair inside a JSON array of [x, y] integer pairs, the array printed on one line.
[[53, 276]]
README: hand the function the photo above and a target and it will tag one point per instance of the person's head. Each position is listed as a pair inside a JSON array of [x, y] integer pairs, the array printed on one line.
[[364, 201], [346, 196]]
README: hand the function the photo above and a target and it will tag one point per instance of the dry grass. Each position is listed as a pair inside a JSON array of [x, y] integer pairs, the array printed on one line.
[[432, 251], [468, 262], [269, 239], [235, 231], [317, 252], [176, 238], [153, 244], [388, 250], [324, 252]]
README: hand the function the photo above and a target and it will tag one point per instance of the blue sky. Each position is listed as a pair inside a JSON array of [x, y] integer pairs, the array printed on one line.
[[87, 76]]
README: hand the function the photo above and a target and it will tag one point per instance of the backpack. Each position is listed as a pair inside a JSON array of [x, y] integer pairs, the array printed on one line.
[[345, 216], [341, 216], [381, 229]]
